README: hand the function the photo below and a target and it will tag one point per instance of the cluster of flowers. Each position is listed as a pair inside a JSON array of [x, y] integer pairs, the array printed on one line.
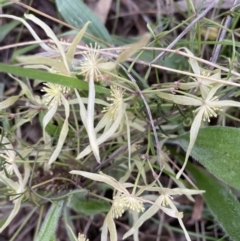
[[114, 117]]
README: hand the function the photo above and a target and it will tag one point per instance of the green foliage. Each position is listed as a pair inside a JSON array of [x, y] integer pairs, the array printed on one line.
[[217, 149], [88, 206], [105, 123], [72, 82], [76, 13], [49, 225], [219, 198], [5, 29]]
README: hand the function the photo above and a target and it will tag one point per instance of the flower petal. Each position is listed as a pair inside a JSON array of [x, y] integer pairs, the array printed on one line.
[[71, 51], [145, 216], [9, 101], [41, 43], [51, 112], [180, 99], [230, 103], [14, 212], [101, 178], [90, 119], [105, 135], [50, 34], [193, 136], [62, 136]]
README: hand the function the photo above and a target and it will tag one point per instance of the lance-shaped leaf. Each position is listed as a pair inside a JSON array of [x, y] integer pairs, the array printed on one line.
[[49, 225]]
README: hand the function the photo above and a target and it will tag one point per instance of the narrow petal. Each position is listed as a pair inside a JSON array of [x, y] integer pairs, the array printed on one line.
[[230, 103], [212, 91], [180, 99], [193, 136], [42, 44], [9, 101], [8, 182], [104, 136], [14, 212], [104, 233], [90, 119], [51, 112], [133, 48], [145, 216], [128, 141], [72, 49], [193, 62], [7, 147], [83, 111], [62, 136], [111, 226], [181, 191], [184, 229], [170, 212], [101, 178], [50, 34], [102, 123], [53, 63]]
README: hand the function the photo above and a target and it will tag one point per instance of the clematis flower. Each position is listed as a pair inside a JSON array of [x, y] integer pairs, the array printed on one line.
[[133, 202], [123, 200], [62, 64], [163, 202], [206, 108], [203, 84], [110, 121], [90, 69], [55, 94], [54, 98]]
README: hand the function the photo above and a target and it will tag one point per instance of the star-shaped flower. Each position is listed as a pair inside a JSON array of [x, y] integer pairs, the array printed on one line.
[[206, 108]]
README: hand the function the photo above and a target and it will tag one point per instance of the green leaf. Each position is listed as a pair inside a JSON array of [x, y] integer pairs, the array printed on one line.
[[6, 28], [54, 131], [88, 206], [224, 206], [49, 77], [76, 13], [217, 149], [49, 225]]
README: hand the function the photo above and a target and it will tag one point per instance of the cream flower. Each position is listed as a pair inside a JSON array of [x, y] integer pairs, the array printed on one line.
[[117, 207], [163, 202], [90, 63], [117, 102], [55, 97], [202, 83], [107, 122], [54, 94], [122, 201], [207, 108], [133, 202]]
